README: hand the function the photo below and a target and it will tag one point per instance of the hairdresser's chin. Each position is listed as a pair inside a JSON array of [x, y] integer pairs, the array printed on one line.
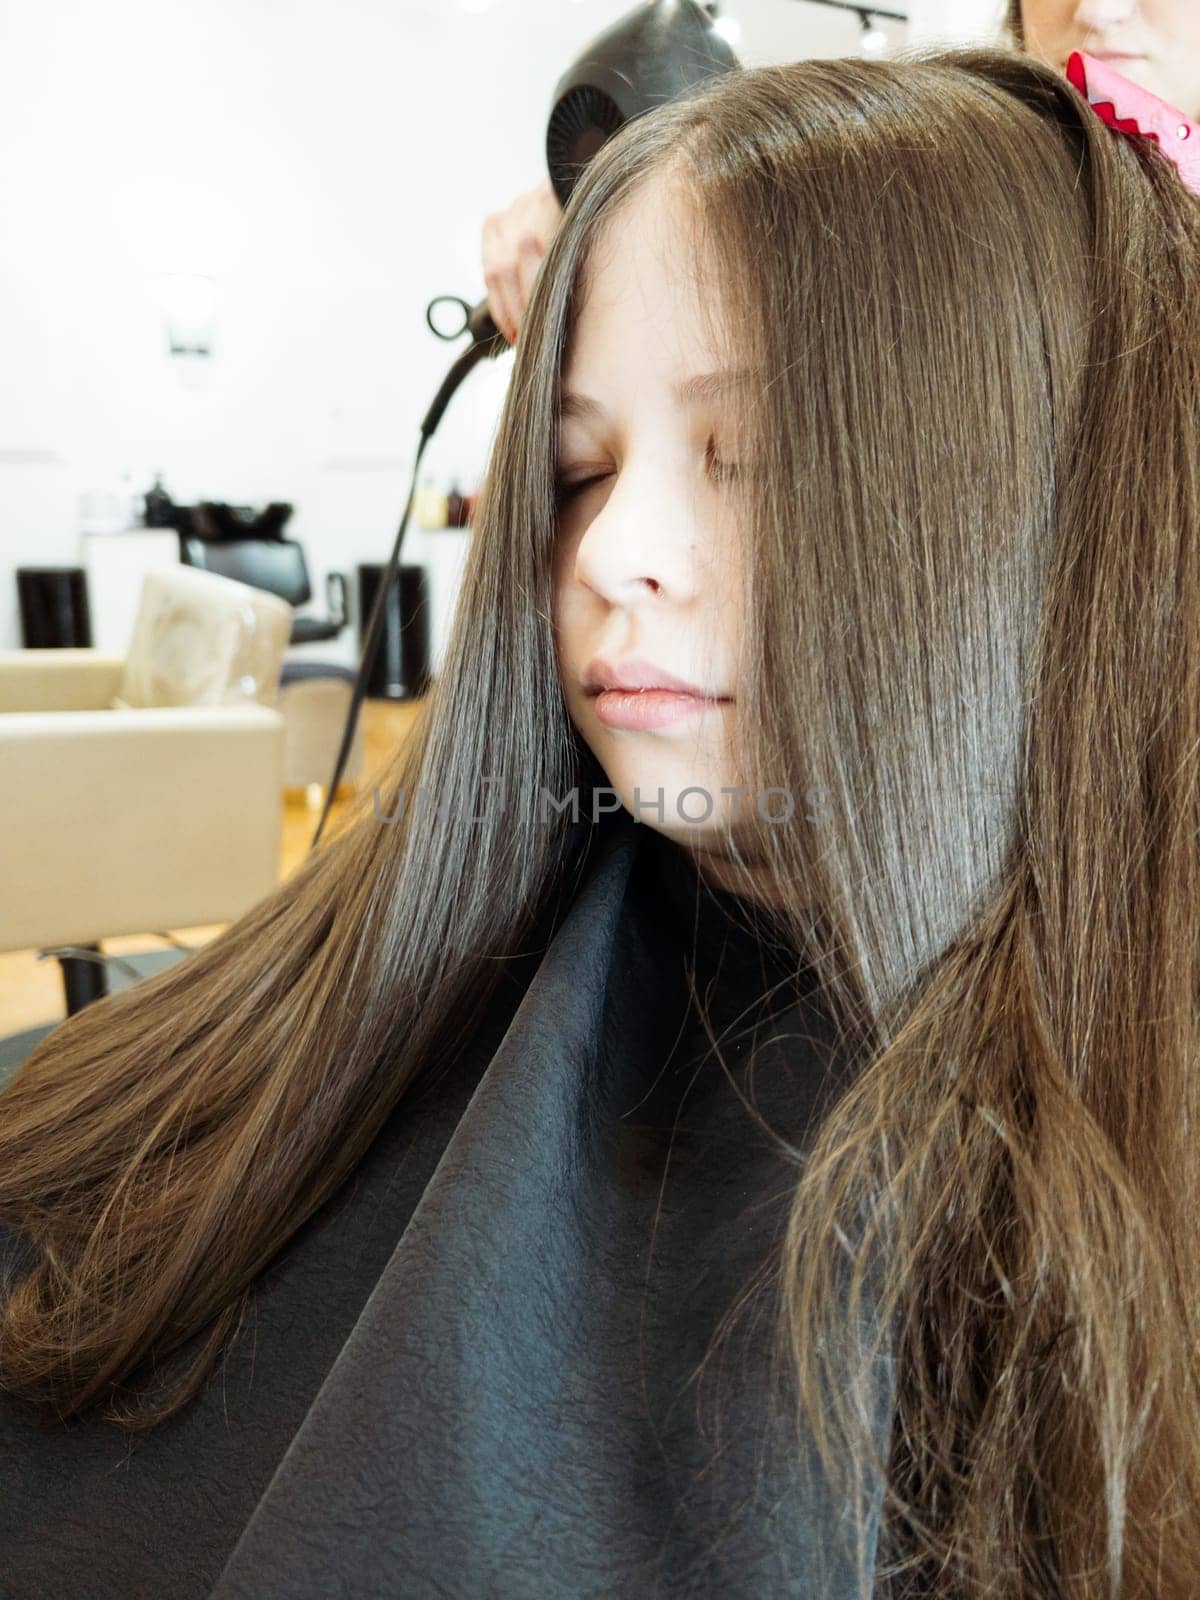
[[1154, 43]]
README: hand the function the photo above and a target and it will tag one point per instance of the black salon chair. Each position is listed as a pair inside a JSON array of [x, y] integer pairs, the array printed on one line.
[[277, 565]]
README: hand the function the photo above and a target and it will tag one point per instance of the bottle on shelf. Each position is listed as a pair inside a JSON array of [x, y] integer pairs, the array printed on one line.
[[159, 507], [430, 504]]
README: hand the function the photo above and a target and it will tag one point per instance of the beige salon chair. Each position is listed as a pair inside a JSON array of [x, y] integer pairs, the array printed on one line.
[[121, 812], [314, 696]]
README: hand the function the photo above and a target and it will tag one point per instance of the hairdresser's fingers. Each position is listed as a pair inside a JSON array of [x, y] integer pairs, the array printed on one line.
[[514, 242], [529, 258], [541, 216], [501, 289]]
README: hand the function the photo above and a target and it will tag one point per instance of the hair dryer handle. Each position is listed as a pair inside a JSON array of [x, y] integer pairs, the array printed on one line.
[[482, 328]]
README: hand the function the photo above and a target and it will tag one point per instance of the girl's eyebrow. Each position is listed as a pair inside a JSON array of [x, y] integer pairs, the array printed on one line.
[[689, 391]]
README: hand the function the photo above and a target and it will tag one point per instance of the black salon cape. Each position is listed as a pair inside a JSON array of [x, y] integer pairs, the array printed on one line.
[[472, 1373]]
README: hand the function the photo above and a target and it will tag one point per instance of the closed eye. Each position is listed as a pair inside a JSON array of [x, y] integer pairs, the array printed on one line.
[[566, 490], [724, 471], [720, 471]]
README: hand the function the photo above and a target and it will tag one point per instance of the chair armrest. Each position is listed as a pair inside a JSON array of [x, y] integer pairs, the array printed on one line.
[[58, 680], [130, 821]]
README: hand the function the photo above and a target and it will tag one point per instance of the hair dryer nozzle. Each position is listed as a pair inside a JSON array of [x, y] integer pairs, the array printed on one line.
[[655, 53]]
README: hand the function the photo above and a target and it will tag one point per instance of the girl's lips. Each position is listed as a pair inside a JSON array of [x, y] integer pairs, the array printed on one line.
[[650, 708]]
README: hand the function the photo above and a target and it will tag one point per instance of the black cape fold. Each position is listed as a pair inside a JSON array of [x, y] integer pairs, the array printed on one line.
[[479, 1370]]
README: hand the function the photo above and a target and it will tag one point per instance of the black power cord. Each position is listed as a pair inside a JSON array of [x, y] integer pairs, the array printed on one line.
[[483, 347]]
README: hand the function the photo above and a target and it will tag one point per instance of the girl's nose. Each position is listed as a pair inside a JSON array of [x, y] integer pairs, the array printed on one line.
[[631, 568], [640, 547]]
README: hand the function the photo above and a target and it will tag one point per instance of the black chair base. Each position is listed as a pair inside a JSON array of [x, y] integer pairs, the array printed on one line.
[[83, 980]]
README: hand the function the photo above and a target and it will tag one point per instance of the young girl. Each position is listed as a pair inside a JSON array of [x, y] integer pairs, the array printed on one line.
[[778, 1175]]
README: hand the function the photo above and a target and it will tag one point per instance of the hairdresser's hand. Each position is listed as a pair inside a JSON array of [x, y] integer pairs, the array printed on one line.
[[514, 242]]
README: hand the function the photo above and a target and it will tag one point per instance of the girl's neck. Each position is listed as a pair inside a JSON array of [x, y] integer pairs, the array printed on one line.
[[750, 879]]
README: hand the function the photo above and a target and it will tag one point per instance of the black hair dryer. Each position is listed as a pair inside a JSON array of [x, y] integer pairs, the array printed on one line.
[[653, 54]]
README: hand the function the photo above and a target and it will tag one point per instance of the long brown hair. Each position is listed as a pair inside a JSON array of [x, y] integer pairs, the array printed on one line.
[[973, 550]]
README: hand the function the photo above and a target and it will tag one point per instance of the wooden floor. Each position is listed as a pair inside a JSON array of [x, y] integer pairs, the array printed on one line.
[[31, 990]]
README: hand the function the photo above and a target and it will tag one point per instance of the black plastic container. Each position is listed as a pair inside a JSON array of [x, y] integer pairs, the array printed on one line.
[[54, 608], [400, 670]]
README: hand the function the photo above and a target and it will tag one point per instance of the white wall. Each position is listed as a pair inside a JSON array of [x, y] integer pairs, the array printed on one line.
[[330, 164], [951, 22]]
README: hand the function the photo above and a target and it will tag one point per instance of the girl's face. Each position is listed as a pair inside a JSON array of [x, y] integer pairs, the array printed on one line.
[[1154, 43], [646, 571]]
